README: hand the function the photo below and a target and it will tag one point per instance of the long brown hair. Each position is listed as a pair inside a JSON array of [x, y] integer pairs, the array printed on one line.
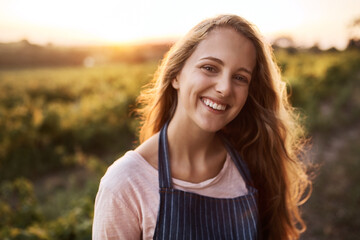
[[266, 132]]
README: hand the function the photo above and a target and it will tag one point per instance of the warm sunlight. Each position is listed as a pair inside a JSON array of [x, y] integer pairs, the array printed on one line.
[[79, 79], [113, 21]]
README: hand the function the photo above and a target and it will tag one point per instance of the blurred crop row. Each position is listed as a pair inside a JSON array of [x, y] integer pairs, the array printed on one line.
[[49, 115]]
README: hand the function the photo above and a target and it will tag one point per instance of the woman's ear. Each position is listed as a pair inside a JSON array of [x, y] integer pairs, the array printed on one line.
[[175, 83]]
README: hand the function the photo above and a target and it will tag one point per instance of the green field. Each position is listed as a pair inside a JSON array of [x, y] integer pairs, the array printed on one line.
[[61, 127]]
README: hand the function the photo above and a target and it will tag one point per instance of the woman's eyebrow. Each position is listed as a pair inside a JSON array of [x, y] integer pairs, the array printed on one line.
[[222, 63]]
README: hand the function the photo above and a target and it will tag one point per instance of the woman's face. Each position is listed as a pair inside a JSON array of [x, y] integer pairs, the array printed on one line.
[[213, 85]]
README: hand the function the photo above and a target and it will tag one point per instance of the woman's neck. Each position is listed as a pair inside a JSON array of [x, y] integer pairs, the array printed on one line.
[[189, 138], [195, 155]]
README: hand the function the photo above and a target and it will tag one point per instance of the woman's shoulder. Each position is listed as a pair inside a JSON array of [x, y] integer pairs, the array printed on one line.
[[149, 150], [129, 172], [128, 190]]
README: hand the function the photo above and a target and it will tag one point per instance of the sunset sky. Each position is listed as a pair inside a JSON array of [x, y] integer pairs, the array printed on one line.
[[77, 22]]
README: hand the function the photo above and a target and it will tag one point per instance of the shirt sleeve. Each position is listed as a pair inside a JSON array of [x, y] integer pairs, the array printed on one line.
[[113, 219]]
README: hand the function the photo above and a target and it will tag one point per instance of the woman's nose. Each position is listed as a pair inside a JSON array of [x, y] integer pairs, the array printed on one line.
[[223, 85]]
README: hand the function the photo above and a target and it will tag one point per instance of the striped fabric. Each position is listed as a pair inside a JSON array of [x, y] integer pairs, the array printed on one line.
[[186, 215]]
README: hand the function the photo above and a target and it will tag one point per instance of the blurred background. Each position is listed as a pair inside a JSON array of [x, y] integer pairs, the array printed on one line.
[[70, 72]]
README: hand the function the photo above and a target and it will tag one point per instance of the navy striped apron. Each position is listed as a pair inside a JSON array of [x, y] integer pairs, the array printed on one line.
[[186, 215]]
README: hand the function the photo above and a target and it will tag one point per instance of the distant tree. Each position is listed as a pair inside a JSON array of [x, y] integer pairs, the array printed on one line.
[[25, 42], [353, 44], [332, 49], [354, 34], [315, 48]]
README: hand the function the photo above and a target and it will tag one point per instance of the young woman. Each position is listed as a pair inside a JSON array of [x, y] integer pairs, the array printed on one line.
[[219, 153]]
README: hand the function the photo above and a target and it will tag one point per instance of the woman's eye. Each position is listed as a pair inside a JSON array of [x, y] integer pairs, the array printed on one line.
[[209, 68], [241, 78]]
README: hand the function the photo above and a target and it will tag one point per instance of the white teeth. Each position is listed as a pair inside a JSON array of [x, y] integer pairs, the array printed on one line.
[[213, 105]]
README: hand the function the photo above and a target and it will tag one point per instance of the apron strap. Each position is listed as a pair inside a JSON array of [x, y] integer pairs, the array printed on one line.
[[164, 160], [239, 162]]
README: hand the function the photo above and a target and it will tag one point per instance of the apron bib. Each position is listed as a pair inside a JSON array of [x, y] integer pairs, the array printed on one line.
[[186, 215]]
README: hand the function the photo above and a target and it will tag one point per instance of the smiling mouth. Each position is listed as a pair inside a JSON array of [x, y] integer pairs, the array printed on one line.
[[214, 105]]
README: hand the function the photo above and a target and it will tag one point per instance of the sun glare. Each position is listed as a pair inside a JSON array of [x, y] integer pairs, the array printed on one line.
[[113, 21]]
